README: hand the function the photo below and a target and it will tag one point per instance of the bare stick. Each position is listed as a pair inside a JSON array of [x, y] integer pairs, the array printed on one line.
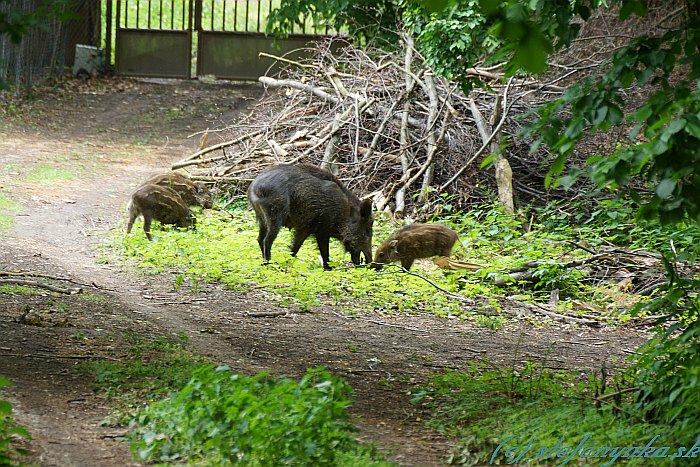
[[188, 160], [484, 146], [41, 285], [286, 60], [315, 90]]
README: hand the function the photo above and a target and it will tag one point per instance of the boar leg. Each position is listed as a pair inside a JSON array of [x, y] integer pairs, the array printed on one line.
[[262, 233], [299, 236], [406, 263], [268, 240], [133, 214], [322, 242], [147, 227]]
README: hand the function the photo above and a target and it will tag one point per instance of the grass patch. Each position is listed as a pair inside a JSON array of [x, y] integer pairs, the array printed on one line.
[[503, 414], [223, 248], [7, 208], [8, 205], [6, 221], [19, 290], [46, 174], [155, 366], [226, 250]]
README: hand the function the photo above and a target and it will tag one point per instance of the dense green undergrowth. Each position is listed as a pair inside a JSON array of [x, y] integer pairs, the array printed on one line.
[[223, 248], [221, 418], [182, 408], [537, 417], [10, 452]]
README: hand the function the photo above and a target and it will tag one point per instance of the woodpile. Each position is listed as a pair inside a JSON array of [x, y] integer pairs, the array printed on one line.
[[387, 126]]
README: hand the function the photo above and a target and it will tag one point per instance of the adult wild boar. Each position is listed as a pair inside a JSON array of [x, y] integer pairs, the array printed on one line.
[[311, 201], [160, 203], [415, 241], [192, 193]]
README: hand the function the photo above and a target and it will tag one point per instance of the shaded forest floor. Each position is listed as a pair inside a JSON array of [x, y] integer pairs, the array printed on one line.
[[70, 157]]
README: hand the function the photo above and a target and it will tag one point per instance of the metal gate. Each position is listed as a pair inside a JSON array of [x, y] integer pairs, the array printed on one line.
[[179, 38]]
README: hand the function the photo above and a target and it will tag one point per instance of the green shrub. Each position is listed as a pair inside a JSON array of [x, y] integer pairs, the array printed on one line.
[[10, 453], [227, 419], [492, 410]]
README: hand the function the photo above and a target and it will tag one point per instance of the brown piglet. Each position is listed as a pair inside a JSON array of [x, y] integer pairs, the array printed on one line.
[[192, 193], [160, 203], [415, 241]]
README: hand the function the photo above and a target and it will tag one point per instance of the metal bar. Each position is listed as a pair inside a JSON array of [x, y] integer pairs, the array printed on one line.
[[126, 13], [149, 14], [160, 15], [259, 5], [108, 34], [223, 18], [235, 15], [184, 15], [198, 8], [247, 10], [172, 14], [138, 9], [211, 22]]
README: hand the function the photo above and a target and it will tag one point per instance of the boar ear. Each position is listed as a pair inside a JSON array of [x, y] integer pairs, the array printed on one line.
[[392, 245], [366, 208]]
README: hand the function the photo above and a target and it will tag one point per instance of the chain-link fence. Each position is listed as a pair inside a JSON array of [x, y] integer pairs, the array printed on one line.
[[48, 45]]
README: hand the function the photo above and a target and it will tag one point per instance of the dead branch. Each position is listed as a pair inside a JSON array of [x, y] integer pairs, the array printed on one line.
[[315, 90], [40, 285]]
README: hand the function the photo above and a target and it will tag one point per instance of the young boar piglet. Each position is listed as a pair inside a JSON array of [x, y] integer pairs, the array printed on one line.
[[415, 241], [192, 193], [160, 203]]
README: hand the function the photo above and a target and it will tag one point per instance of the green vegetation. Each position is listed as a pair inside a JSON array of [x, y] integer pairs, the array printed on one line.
[[224, 248], [181, 408], [46, 173], [656, 162], [10, 453], [7, 208], [154, 367], [228, 419], [17, 290], [493, 411]]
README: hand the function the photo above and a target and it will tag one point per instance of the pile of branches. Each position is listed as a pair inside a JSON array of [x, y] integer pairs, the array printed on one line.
[[387, 126]]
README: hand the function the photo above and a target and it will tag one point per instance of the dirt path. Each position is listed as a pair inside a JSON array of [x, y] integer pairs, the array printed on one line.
[[103, 138]]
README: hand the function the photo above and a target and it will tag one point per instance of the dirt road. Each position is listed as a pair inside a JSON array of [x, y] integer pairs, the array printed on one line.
[[70, 158]]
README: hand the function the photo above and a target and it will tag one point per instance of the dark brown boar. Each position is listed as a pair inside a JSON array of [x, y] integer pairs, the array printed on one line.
[[160, 203], [415, 241], [192, 193], [311, 201]]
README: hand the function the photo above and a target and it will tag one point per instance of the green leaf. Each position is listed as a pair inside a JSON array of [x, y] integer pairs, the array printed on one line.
[[676, 125], [5, 408], [630, 7], [488, 161], [665, 189], [434, 6], [692, 128], [533, 51]]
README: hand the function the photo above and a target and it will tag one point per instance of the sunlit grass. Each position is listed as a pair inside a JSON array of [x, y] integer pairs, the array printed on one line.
[[47, 173]]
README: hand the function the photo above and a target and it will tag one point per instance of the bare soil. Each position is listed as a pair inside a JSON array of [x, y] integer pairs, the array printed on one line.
[[111, 134]]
